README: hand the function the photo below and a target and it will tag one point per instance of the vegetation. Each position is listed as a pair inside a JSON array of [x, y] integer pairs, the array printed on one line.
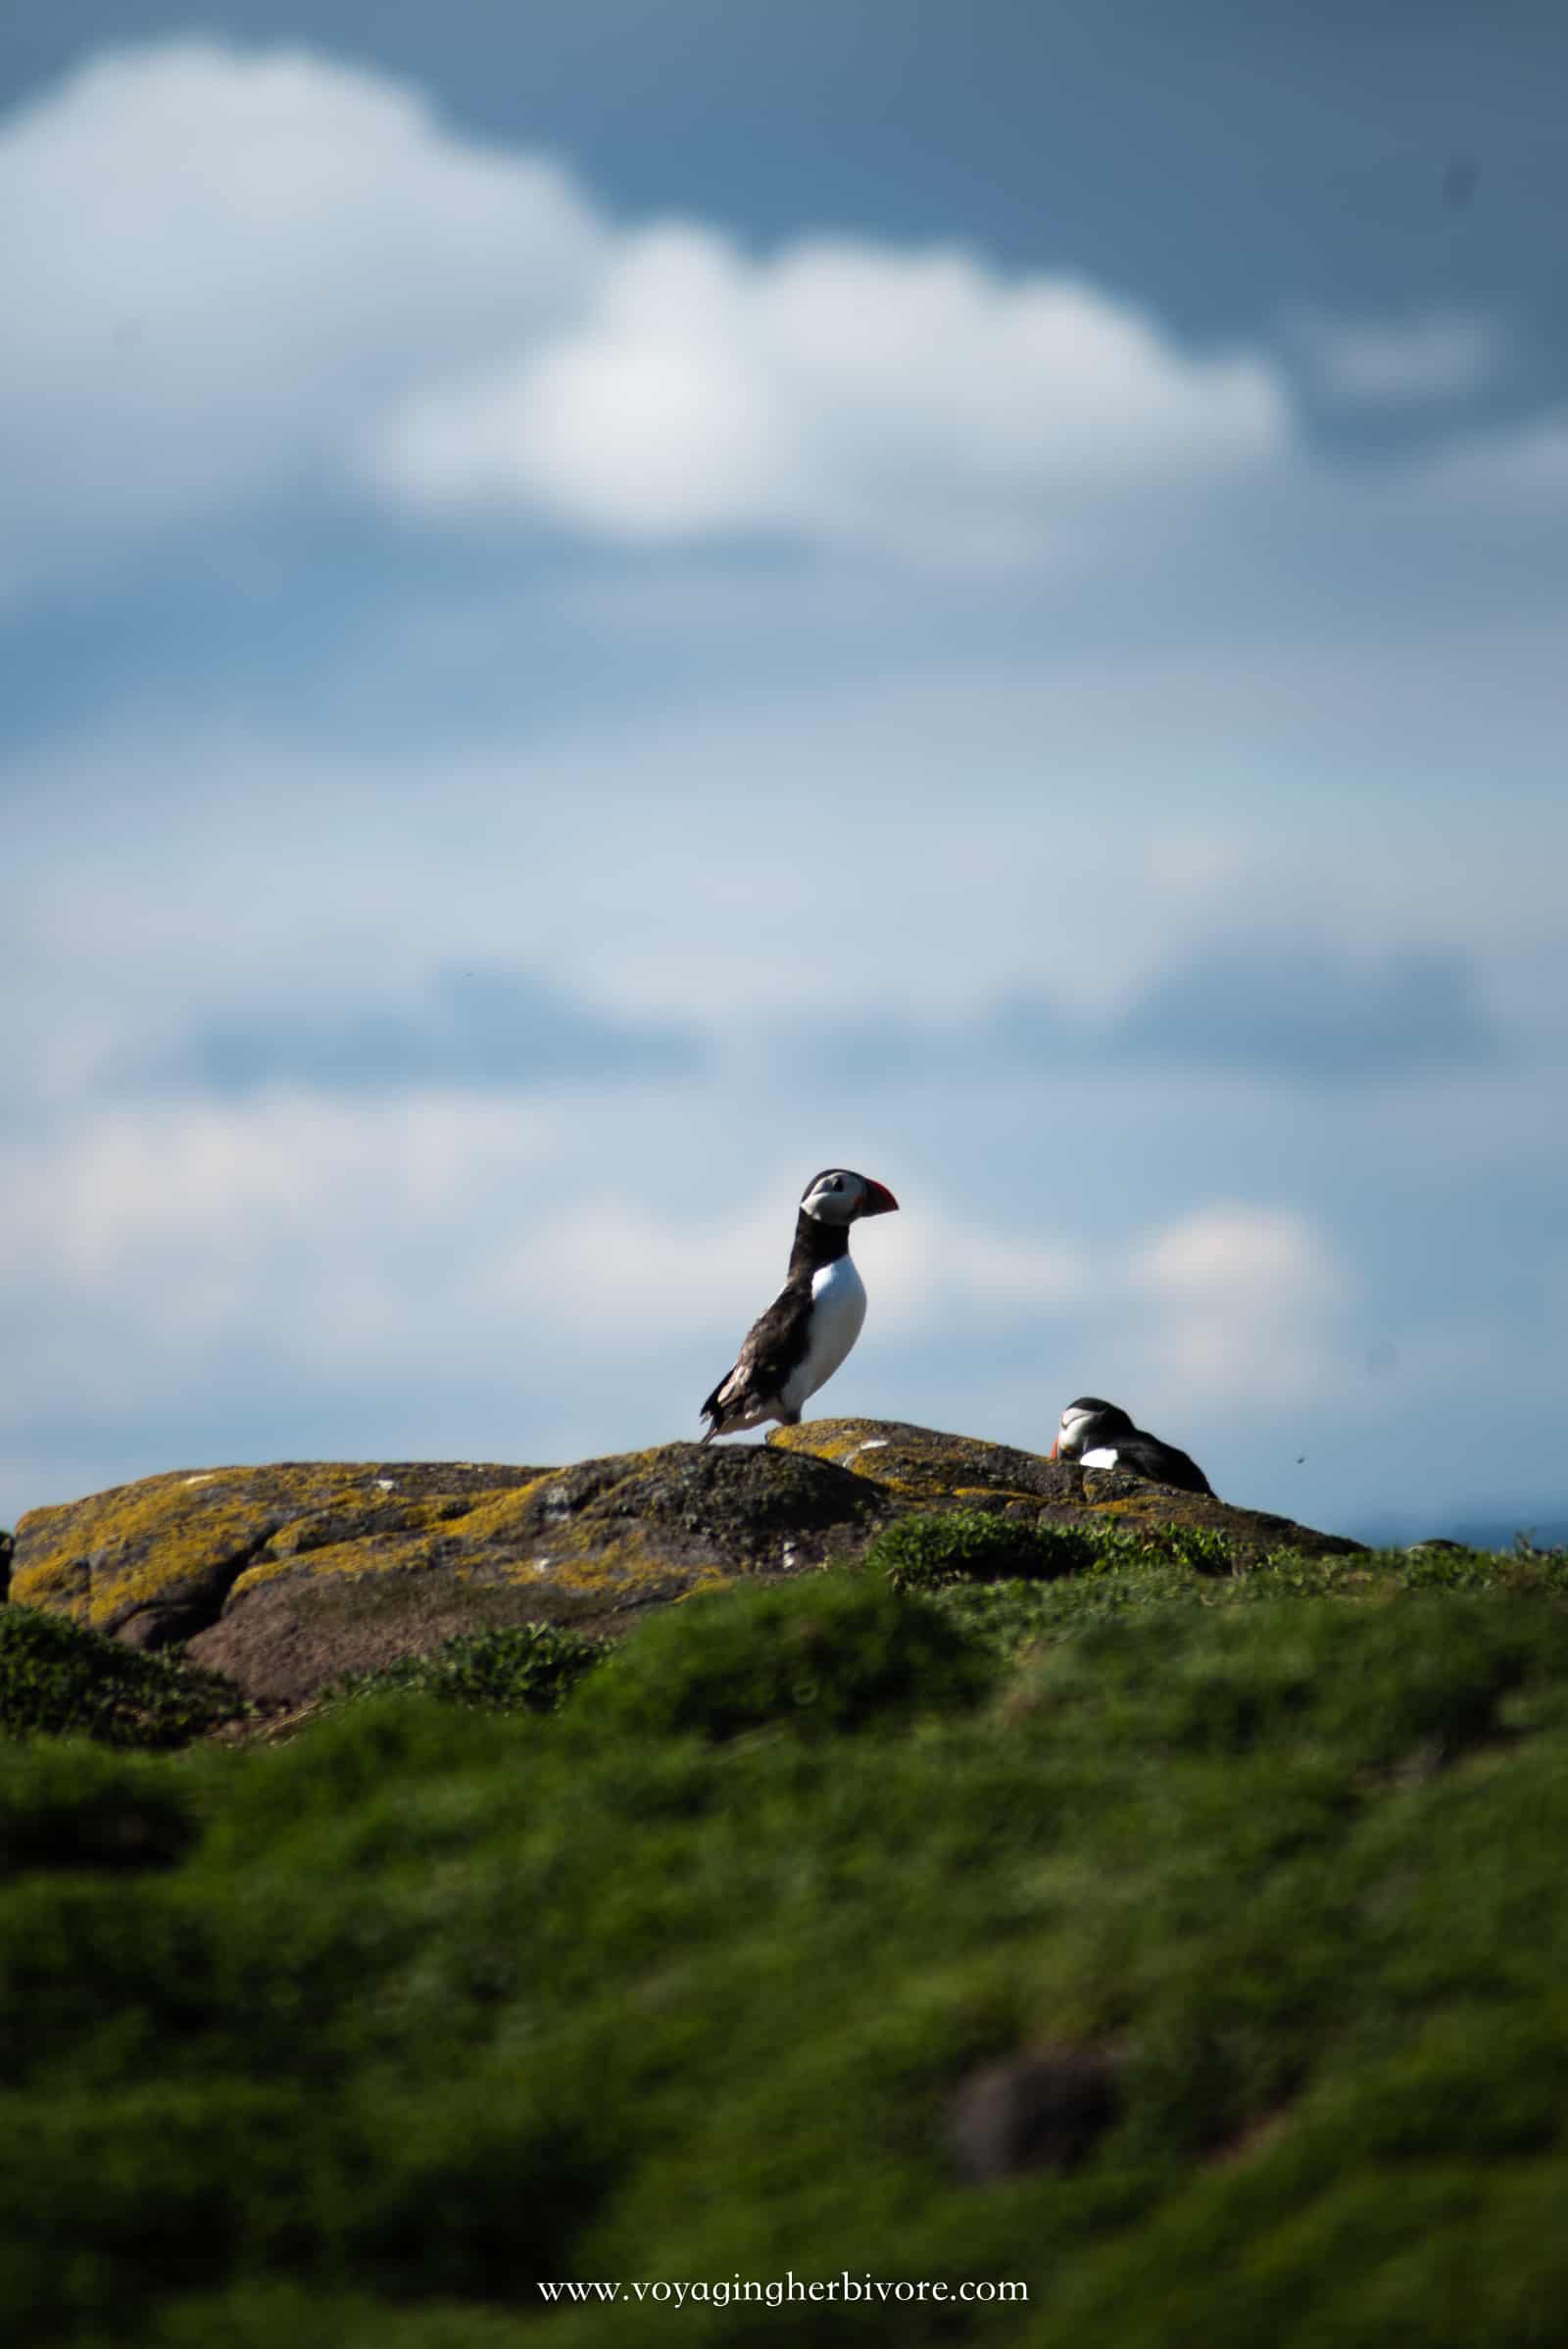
[[949, 1546], [829, 1652], [57, 1676], [523, 1668], [353, 2042], [954, 1545], [1128, 1575]]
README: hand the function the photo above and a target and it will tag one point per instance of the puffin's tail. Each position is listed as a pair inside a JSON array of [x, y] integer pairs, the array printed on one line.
[[713, 1410]]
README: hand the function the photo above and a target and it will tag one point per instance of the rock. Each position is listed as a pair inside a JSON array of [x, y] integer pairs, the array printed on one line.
[[922, 1465], [284, 1577], [155, 1561], [1042, 2110]]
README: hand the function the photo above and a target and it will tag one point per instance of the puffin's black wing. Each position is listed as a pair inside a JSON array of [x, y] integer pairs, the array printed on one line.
[[774, 1344], [1163, 1463]]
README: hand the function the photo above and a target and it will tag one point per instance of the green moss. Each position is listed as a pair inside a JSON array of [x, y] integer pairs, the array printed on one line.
[[57, 1676], [1130, 1574], [438, 2002], [530, 1668], [65, 1803], [1347, 1678], [972, 1544], [830, 1652], [1201, 1548], [950, 1546], [263, 2315]]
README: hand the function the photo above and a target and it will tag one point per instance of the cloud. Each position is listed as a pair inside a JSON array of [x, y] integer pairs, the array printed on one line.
[[480, 1027], [1267, 1255], [270, 278], [225, 263], [301, 1254], [1241, 1309], [840, 392], [1305, 1013], [447, 1271], [1521, 476], [248, 274], [1312, 1013], [1440, 356], [1301, 1013]]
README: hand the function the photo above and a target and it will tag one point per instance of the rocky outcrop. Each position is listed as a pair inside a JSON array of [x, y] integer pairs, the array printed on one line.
[[922, 1467], [285, 1576]]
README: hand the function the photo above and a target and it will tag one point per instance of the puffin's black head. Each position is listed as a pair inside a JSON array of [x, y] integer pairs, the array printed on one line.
[[1089, 1423], [836, 1196]]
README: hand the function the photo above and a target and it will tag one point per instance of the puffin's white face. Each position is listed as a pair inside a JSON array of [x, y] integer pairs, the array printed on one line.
[[1070, 1432], [836, 1196]]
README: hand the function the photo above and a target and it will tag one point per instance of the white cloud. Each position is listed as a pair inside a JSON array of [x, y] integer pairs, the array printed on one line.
[[1241, 1308], [1267, 1256], [339, 1238], [310, 1249], [239, 272], [1381, 363], [247, 275], [931, 846], [842, 392], [328, 1231], [219, 266], [449, 1275], [254, 1219]]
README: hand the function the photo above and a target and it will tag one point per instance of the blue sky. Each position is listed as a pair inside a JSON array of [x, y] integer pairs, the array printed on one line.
[[600, 609]]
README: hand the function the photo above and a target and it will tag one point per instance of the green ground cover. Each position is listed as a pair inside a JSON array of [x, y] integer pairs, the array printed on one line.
[[350, 2041]]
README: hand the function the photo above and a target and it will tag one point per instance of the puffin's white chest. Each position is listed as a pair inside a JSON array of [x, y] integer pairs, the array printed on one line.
[[837, 1309]]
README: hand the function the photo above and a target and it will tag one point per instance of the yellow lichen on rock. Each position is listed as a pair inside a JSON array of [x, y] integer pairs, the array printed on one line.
[[169, 1537], [285, 1575], [170, 1549], [931, 1468], [335, 1557], [926, 1464]]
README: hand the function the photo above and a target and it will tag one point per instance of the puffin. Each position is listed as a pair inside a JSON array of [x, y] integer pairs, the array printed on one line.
[[808, 1329], [1100, 1435]]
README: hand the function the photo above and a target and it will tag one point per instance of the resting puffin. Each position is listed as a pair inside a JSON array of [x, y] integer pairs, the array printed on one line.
[[1097, 1435], [815, 1317]]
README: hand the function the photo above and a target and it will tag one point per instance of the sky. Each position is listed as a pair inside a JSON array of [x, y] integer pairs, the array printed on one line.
[[603, 608]]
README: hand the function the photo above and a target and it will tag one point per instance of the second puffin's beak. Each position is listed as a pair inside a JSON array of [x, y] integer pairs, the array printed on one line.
[[879, 1200], [1054, 1448]]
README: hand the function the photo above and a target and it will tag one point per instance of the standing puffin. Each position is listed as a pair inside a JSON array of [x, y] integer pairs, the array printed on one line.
[[815, 1317], [1097, 1435]]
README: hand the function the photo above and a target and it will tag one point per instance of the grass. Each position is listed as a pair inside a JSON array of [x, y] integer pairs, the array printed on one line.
[[1127, 1577], [946, 1547], [524, 1668], [828, 1653], [354, 2041], [58, 1677]]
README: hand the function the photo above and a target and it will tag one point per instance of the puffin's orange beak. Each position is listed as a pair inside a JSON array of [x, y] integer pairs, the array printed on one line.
[[879, 1200], [1054, 1448]]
